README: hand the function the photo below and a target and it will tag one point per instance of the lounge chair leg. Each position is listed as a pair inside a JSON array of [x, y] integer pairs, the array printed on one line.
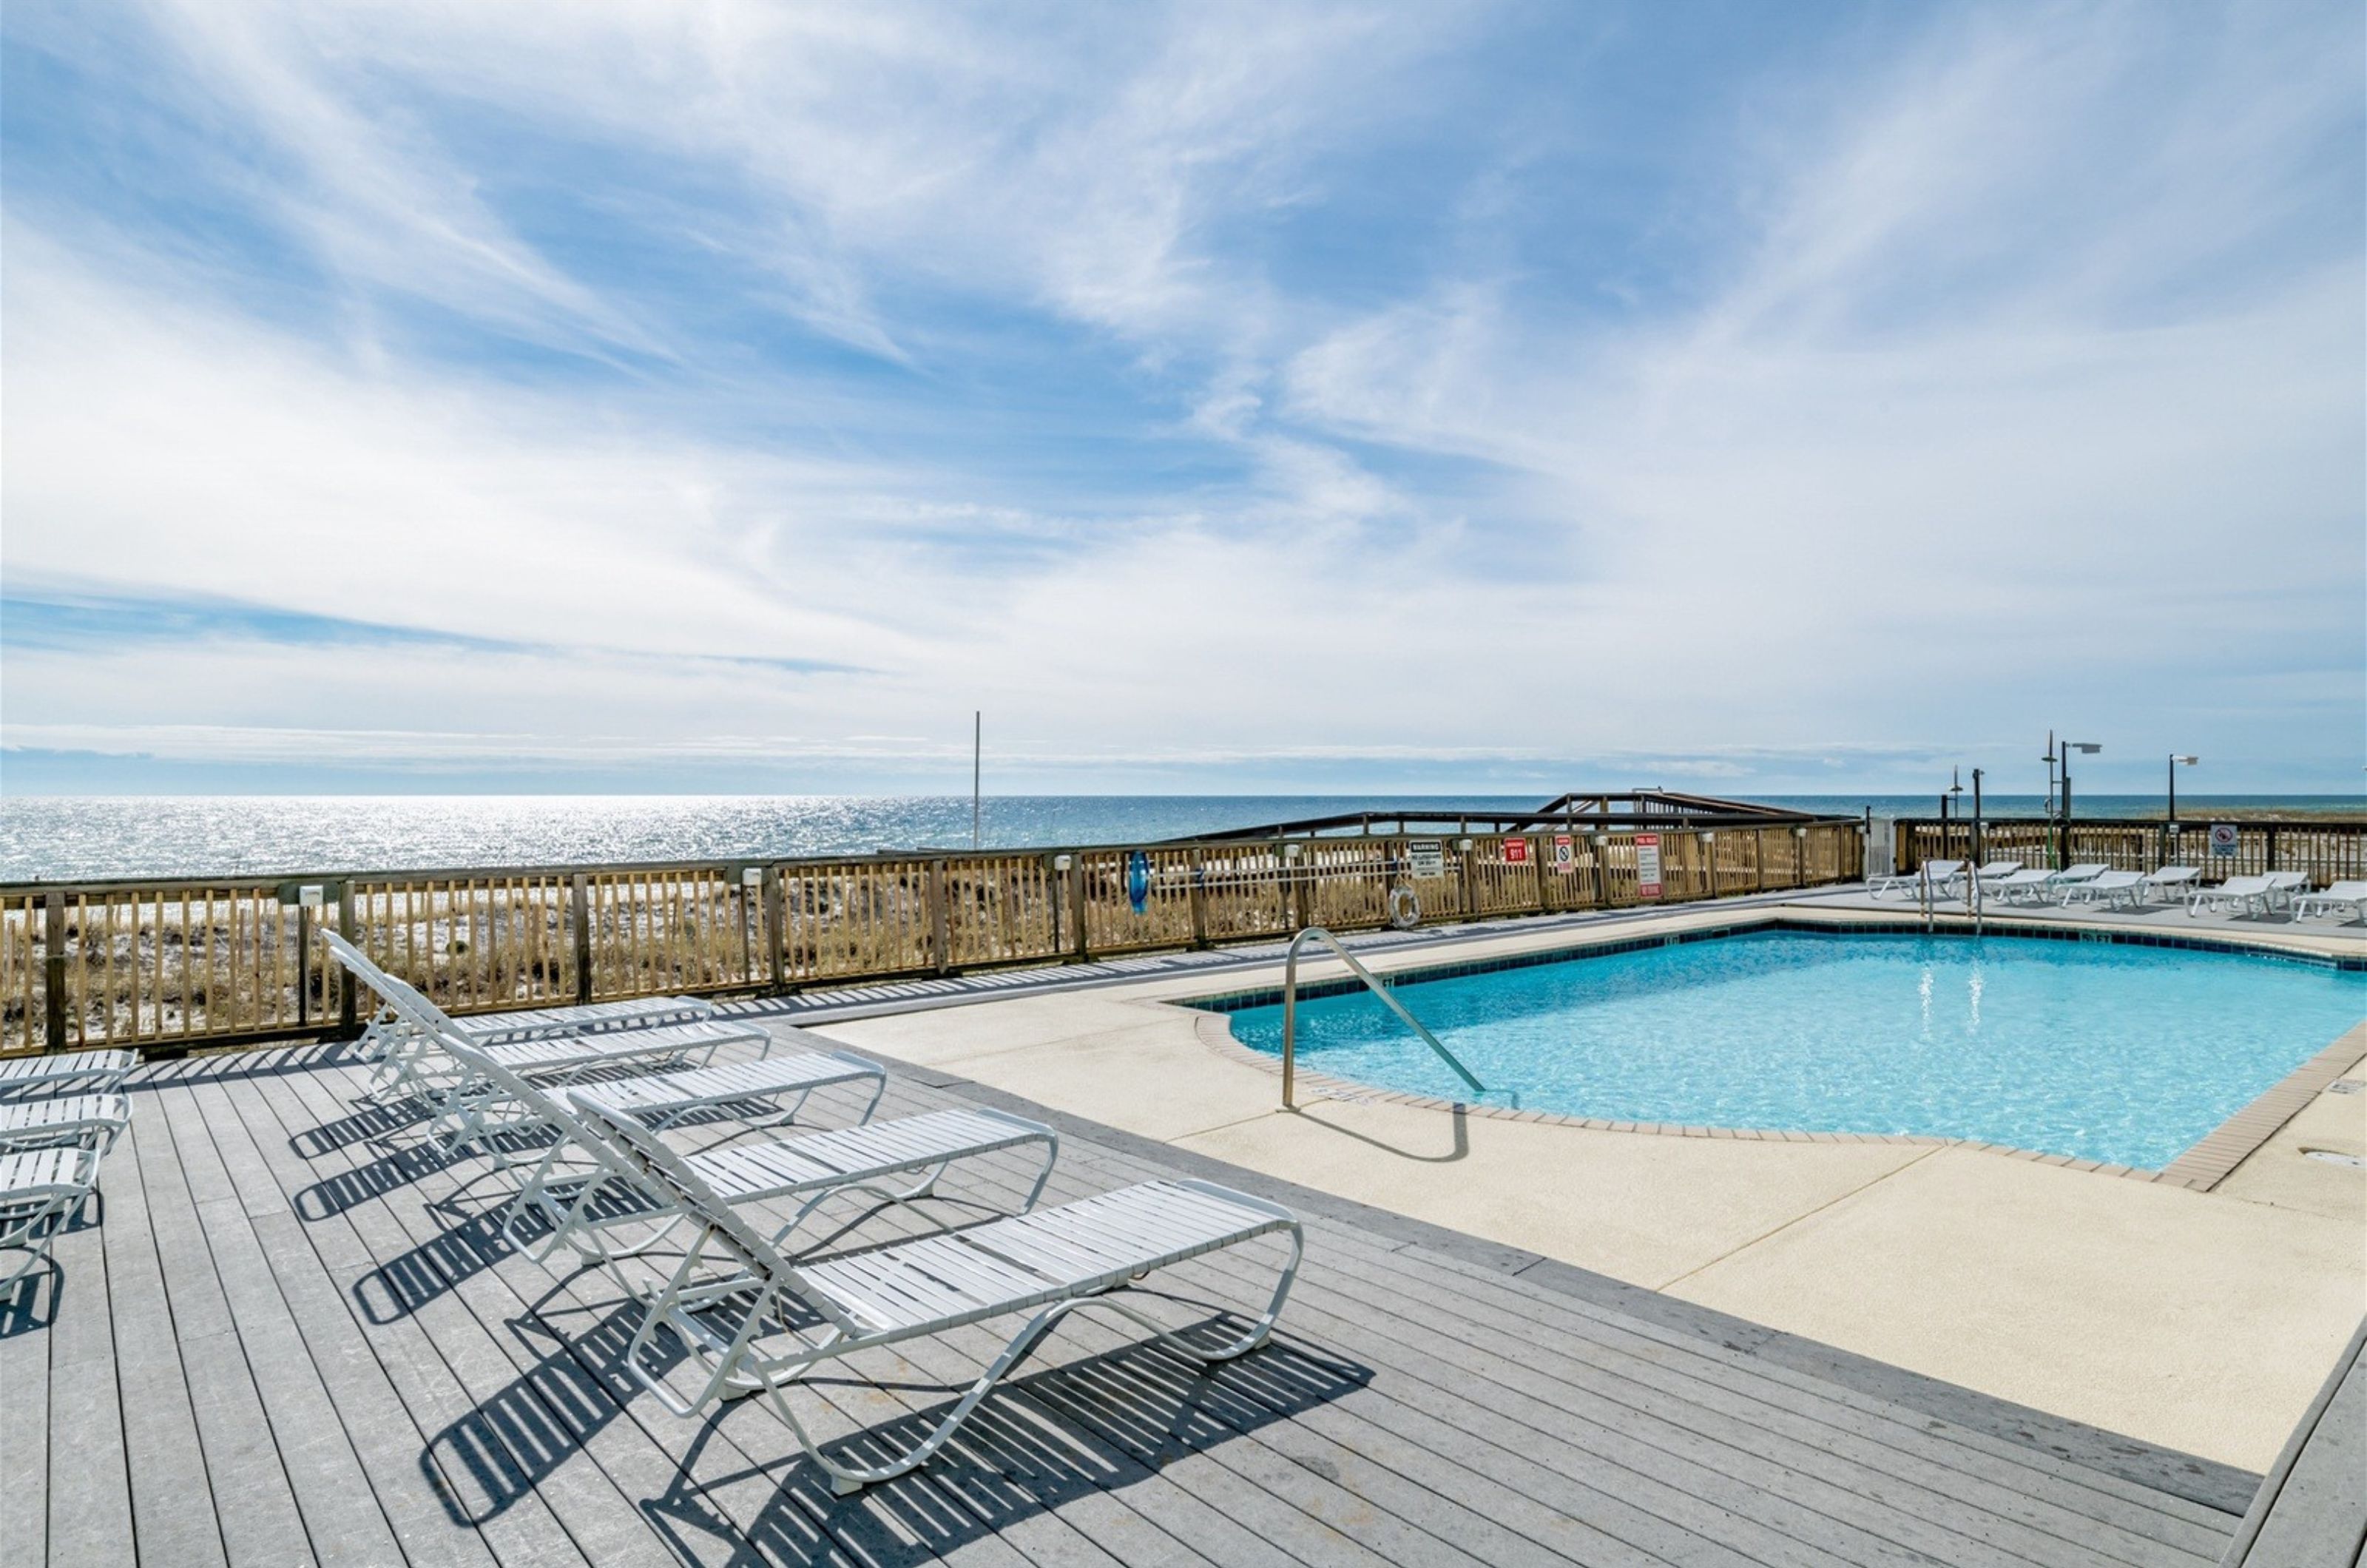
[[845, 1481]]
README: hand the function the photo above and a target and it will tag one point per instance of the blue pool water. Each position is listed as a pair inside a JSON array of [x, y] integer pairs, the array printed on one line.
[[2108, 1052]]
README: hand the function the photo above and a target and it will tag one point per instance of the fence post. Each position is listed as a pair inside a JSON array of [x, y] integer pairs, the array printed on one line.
[[2271, 848], [303, 968], [776, 920], [54, 970], [1077, 904], [580, 930], [348, 926], [1759, 860], [1199, 908], [940, 926]]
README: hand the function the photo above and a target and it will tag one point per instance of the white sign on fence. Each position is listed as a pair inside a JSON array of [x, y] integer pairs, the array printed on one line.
[[1647, 865], [2223, 838], [1425, 858]]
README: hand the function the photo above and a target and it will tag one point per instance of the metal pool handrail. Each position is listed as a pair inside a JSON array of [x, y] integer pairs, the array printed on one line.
[[1290, 1014]]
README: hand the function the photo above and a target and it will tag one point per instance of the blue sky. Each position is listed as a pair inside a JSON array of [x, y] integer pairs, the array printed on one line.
[[1222, 397]]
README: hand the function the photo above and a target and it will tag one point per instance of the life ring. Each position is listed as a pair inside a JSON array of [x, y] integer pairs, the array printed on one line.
[[1405, 909]]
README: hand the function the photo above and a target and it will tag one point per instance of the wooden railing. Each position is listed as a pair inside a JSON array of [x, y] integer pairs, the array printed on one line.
[[2327, 849], [170, 966]]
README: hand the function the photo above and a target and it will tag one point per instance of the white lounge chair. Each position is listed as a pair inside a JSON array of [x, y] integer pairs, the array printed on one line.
[[2347, 899], [1936, 871], [1044, 1265], [492, 1097], [2171, 883], [581, 1206], [393, 1026], [60, 1072], [415, 1062], [2039, 886], [85, 1121], [1997, 871], [2111, 888], [390, 1026], [2285, 887], [39, 1190], [2242, 892]]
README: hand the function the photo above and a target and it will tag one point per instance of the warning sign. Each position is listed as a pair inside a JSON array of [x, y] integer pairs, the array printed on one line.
[[1647, 865], [1425, 858], [1564, 853], [1516, 851], [2223, 838]]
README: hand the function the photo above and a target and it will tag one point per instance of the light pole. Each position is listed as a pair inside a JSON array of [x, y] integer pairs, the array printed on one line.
[[2088, 748], [2062, 855], [2177, 762]]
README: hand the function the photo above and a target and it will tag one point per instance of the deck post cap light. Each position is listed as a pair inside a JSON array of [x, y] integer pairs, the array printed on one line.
[[1062, 862], [1464, 844], [1290, 852]]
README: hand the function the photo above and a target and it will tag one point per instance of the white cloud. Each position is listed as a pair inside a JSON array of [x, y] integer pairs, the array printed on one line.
[[2031, 387]]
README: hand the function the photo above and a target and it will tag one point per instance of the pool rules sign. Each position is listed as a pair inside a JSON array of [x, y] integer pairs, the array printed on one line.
[[1647, 865]]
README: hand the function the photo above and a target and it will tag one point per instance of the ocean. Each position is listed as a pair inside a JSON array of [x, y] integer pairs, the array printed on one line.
[[61, 838]]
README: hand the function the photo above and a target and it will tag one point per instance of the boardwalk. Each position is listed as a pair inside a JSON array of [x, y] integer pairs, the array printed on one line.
[[295, 1337]]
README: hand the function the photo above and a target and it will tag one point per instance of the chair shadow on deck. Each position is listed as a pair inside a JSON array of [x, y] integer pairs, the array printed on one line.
[[1041, 1440], [445, 1262], [369, 1124], [334, 1195], [33, 1300]]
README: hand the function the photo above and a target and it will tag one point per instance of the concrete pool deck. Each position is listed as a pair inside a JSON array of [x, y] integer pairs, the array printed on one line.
[[2203, 1320]]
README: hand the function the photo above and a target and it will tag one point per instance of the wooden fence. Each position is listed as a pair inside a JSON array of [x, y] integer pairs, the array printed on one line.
[[2327, 850], [171, 965]]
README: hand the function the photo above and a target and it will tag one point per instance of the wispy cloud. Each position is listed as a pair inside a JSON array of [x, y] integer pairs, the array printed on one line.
[[1241, 387]]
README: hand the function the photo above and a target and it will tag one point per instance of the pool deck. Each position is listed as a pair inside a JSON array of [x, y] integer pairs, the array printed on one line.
[[2199, 1312], [294, 1336]]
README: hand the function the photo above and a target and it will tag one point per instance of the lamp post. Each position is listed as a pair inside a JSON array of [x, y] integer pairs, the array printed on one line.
[[2177, 762], [2089, 747]]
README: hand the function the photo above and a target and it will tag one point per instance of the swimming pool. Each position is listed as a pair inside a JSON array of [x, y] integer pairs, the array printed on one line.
[[2100, 1051]]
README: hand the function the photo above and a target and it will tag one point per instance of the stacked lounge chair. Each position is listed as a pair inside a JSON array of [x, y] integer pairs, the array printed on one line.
[[2285, 887], [58, 1115], [1938, 872], [2347, 899], [2171, 883], [752, 1319], [2245, 894], [2111, 888], [411, 1059], [2036, 886], [583, 1192]]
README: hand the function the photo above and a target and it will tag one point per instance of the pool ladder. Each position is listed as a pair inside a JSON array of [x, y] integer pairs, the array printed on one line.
[[1290, 1014], [1976, 899]]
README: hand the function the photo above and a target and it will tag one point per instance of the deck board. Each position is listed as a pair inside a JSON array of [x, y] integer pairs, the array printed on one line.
[[297, 1335]]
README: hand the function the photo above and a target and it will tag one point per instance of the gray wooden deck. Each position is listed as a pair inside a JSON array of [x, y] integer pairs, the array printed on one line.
[[293, 1338]]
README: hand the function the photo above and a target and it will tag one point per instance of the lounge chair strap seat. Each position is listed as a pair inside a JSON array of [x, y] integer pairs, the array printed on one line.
[[666, 1040], [745, 1172], [61, 1116], [32, 1175], [503, 1029], [737, 1080], [1030, 1259], [106, 1069]]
